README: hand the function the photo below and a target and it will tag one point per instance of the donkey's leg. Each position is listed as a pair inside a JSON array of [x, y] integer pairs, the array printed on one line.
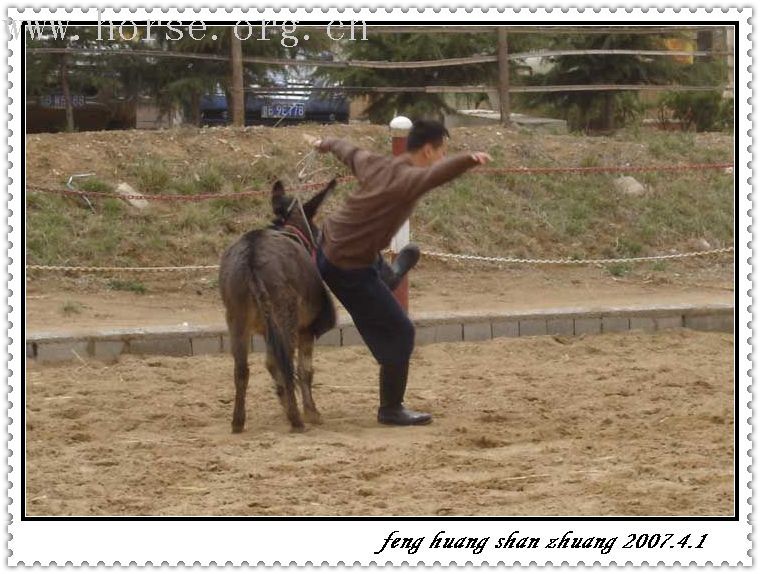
[[305, 376], [240, 337], [285, 384]]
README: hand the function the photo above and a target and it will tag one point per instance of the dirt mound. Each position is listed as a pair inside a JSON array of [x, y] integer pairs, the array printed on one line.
[[481, 213]]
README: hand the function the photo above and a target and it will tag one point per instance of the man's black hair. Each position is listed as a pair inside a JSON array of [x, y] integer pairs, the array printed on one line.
[[426, 132]]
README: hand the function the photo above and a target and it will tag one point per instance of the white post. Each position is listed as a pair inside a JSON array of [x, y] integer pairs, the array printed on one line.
[[400, 127], [401, 239]]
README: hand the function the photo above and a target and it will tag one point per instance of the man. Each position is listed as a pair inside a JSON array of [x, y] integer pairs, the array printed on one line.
[[349, 257]]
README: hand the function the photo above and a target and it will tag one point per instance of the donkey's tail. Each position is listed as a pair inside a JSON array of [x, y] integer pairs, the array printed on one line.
[[277, 343]]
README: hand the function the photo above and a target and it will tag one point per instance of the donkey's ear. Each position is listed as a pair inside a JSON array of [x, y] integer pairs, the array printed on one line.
[[278, 199], [311, 206]]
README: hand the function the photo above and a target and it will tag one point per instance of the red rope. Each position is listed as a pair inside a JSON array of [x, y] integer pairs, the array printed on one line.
[[606, 169], [175, 197], [311, 186], [105, 194]]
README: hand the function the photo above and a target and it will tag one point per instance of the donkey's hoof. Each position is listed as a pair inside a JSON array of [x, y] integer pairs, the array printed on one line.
[[298, 428], [238, 428], [313, 417]]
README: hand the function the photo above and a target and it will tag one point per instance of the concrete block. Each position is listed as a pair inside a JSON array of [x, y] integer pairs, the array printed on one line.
[[560, 326], [477, 331], [663, 323], [178, 346], [451, 333], [643, 324], [350, 336], [330, 339], [505, 329], [588, 325], [532, 327], [109, 350], [206, 345], [424, 335], [258, 344], [722, 322], [615, 324], [55, 351], [30, 354]]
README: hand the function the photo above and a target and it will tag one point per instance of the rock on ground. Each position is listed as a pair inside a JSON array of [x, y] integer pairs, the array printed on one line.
[[628, 185]]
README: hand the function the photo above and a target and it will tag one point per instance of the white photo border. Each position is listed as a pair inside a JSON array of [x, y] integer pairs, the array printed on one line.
[[357, 541]]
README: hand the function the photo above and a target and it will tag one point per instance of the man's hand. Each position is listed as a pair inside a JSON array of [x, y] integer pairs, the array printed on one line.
[[481, 157], [316, 143]]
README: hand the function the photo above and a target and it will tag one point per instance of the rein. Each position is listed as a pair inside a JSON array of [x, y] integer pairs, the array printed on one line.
[[308, 243]]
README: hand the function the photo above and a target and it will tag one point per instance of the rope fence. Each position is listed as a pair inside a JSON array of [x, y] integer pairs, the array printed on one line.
[[344, 179], [433, 254], [606, 169], [724, 166], [573, 261]]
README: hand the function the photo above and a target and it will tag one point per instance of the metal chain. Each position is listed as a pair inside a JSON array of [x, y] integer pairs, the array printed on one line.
[[568, 261], [480, 258]]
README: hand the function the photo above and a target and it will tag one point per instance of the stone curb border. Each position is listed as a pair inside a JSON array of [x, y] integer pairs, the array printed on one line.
[[431, 328]]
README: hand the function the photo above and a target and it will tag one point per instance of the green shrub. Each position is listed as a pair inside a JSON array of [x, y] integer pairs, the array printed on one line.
[[700, 111]]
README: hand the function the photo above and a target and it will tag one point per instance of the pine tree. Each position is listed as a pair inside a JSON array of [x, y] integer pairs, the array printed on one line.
[[80, 74], [603, 110], [414, 47]]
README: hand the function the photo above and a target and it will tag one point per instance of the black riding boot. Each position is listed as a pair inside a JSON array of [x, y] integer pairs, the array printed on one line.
[[392, 388], [406, 260]]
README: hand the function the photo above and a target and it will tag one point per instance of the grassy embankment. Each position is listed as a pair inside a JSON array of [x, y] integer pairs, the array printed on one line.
[[514, 215]]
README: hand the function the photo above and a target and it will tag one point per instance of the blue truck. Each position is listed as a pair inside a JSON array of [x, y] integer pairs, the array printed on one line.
[[277, 109]]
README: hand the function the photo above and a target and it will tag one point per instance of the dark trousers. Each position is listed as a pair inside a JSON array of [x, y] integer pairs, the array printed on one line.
[[379, 318]]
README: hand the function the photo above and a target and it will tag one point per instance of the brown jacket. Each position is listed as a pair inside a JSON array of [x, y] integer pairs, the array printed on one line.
[[389, 188]]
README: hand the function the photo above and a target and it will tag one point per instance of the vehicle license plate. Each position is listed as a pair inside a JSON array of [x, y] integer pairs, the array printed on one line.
[[283, 111]]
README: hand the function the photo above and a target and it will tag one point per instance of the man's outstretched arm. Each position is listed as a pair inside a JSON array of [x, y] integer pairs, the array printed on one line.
[[344, 150], [425, 179]]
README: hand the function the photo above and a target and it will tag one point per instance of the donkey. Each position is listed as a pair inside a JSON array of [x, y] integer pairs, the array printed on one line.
[[271, 286]]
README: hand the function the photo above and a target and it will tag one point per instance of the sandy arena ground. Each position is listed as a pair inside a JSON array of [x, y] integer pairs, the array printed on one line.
[[627, 424]]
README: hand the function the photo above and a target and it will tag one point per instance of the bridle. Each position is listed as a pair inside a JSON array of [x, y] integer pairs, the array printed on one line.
[[309, 243]]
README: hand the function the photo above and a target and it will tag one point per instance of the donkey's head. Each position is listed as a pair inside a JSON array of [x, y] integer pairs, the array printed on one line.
[[290, 211]]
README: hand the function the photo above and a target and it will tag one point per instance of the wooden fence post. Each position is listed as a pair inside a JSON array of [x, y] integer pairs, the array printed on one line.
[[69, 105], [503, 56], [237, 94]]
